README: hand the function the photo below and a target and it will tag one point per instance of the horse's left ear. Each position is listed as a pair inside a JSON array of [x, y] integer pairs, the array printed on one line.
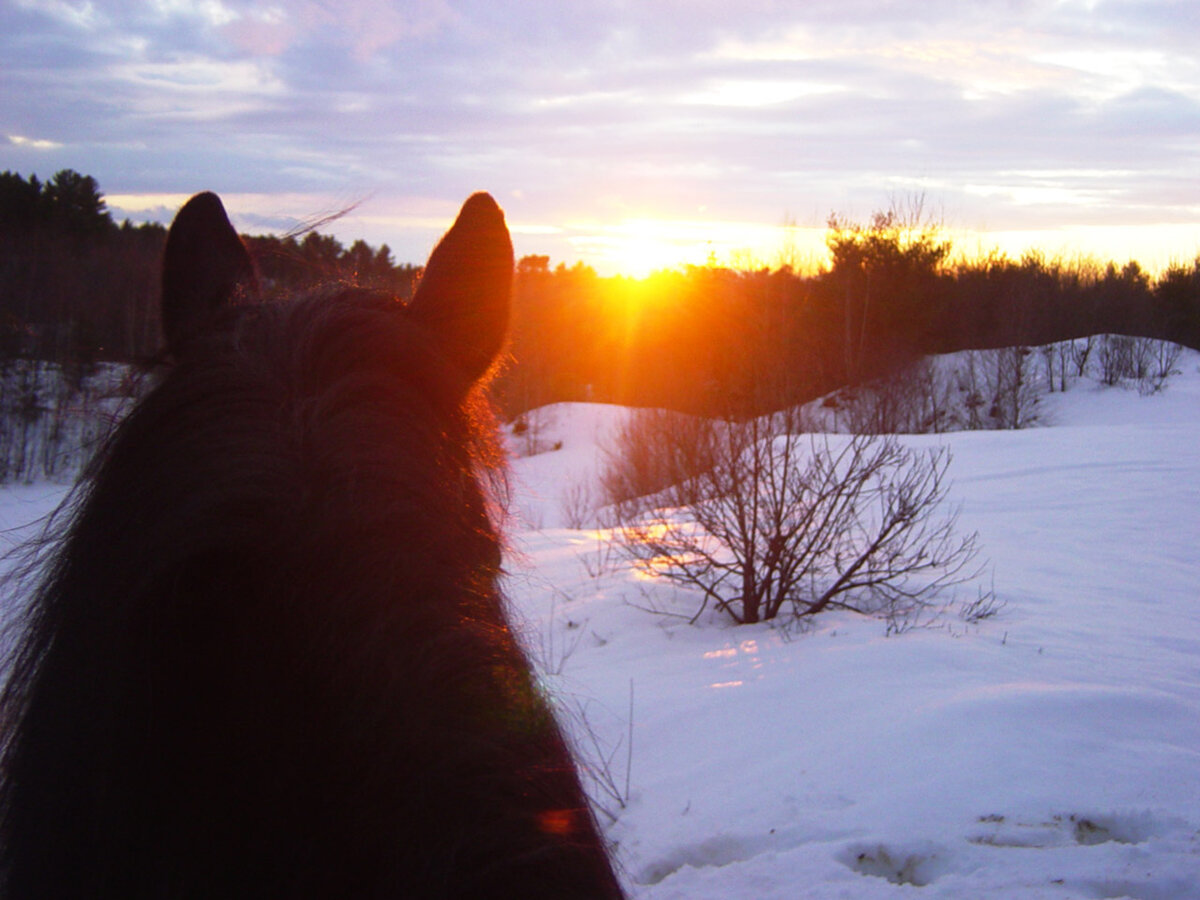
[[465, 292], [205, 267]]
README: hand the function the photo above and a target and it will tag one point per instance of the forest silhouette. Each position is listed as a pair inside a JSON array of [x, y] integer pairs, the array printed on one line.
[[77, 288]]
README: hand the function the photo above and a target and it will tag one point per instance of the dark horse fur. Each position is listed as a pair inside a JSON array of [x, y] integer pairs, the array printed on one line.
[[269, 656]]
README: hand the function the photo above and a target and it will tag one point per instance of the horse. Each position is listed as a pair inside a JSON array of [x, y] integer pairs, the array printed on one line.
[[269, 655]]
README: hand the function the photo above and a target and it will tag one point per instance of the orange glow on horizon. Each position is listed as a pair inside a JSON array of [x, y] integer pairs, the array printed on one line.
[[643, 242], [637, 248]]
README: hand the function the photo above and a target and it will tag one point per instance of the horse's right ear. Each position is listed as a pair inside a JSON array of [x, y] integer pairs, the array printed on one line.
[[466, 290], [205, 267]]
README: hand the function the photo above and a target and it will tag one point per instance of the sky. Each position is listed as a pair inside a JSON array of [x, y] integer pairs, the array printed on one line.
[[626, 135]]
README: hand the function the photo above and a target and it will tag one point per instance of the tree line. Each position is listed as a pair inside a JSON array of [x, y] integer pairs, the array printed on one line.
[[706, 339], [76, 286]]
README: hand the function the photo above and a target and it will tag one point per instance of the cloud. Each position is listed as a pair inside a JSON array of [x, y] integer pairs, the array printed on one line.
[[1005, 109], [19, 140], [82, 15]]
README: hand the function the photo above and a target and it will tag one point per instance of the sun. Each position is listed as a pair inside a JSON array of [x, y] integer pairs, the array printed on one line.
[[638, 247]]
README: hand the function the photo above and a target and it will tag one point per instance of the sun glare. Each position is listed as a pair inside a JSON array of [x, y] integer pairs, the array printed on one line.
[[639, 247]]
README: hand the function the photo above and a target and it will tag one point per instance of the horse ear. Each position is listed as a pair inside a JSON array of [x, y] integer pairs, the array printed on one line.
[[205, 267], [465, 292]]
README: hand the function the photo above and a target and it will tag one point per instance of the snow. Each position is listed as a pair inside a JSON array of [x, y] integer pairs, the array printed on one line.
[[1052, 751]]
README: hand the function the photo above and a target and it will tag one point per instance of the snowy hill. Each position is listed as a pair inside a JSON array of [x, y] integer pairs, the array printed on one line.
[[1051, 752]]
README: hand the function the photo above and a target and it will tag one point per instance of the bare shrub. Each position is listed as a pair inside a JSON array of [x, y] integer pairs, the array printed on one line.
[[577, 504], [1145, 361], [1160, 359], [971, 384], [1118, 359], [912, 400], [607, 771], [778, 521], [604, 560], [554, 653], [651, 450], [529, 431], [986, 605]]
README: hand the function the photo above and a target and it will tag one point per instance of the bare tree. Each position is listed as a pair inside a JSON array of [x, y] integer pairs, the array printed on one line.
[[1118, 358], [999, 388], [1081, 350], [1013, 389], [1057, 358], [1162, 357], [1063, 352], [773, 521]]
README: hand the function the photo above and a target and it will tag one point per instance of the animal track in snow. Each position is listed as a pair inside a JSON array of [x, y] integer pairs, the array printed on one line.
[[920, 864], [725, 848], [917, 864], [1060, 830], [988, 845], [719, 850]]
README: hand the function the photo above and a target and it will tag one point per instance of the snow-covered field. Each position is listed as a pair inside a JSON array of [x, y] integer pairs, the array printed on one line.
[[1050, 752]]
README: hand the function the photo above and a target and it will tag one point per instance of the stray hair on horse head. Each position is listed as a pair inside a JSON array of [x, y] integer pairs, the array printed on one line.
[[268, 655]]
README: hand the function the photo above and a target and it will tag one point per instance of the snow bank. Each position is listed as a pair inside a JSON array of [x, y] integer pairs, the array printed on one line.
[[1051, 752]]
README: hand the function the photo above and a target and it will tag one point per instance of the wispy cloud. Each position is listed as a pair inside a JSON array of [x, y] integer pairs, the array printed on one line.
[[19, 140], [82, 15]]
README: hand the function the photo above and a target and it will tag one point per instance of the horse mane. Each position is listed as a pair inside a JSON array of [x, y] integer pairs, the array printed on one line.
[[269, 656]]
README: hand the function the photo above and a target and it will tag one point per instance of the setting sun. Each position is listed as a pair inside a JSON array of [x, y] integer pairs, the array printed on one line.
[[638, 247]]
